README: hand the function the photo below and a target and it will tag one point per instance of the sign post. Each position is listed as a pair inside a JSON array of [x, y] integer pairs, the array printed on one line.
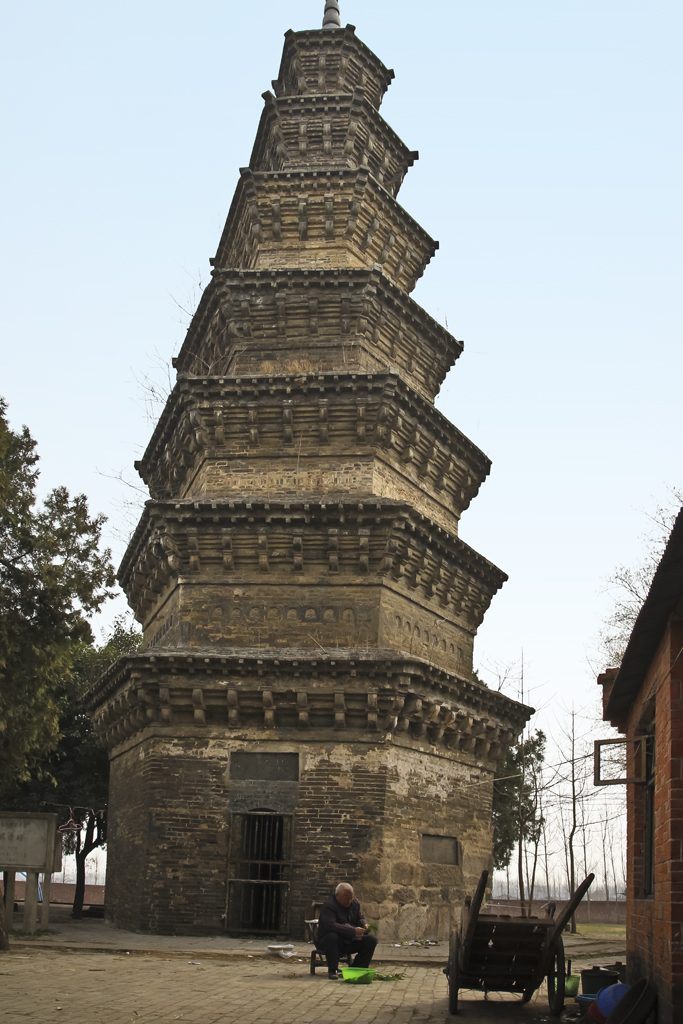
[[27, 843]]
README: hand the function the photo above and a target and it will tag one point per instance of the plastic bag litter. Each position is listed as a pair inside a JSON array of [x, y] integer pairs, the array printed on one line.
[[285, 952]]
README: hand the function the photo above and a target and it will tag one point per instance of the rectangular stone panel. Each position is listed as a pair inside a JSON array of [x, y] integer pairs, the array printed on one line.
[[245, 766], [439, 849]]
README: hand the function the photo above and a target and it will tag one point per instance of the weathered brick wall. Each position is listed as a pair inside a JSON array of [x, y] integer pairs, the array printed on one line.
[[408, 626], [440, 796], [368, 831], [307, 615], [340, 817], [387, 483], [360, 811], [299, 474], [130, 776], [292, 475], [166, 871], [294, 615], [654, 923], [331, 434]]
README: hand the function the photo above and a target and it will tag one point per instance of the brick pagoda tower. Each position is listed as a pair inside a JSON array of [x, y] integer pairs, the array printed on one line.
[[303, 709]]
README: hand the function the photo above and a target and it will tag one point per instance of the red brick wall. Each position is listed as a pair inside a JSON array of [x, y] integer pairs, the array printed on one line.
[[654, 923]]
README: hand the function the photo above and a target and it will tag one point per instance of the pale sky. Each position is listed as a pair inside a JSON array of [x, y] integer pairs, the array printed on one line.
[[550, 171]]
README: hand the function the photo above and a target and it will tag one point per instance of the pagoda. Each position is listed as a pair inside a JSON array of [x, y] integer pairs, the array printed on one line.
[[303, 709]]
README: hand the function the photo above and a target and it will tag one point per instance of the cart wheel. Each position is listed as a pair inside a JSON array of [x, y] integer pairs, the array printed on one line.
[[453, 972], [556, 977]]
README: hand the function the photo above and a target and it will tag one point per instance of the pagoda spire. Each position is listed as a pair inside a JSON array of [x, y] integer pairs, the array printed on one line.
[[331, 18]]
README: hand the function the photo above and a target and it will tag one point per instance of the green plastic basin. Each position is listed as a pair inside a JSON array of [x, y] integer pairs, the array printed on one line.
[[358, 975]]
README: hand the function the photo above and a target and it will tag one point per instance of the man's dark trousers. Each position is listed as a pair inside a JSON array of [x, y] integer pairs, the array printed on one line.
[[334, 946]]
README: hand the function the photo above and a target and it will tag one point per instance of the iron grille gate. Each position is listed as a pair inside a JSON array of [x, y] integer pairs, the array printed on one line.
[[259, 873]]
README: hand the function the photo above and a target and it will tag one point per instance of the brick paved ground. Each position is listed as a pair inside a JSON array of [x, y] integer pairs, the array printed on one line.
[[79, 972], [44, 987], [92, 934]]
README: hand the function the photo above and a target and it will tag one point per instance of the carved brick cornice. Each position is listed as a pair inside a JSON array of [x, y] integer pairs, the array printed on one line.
[[322, 219], [326, 132], [290, 321], [363, 541], [319, 62], [332, 698], [311, 415]]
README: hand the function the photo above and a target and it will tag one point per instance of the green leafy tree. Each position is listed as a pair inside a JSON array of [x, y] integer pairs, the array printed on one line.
[[53, 576], [74, 777], [505, 790], [517, 815]]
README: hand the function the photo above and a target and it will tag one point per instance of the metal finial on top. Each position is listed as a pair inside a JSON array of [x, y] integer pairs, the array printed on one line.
[[331, 18]]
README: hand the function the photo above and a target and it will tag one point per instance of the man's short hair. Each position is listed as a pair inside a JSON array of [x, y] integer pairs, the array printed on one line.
[[343, 887]]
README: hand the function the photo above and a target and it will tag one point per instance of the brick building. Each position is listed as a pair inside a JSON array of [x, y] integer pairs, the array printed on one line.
[[303, 709], [644, 700]]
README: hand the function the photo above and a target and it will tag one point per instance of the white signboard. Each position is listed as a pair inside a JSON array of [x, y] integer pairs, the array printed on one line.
[[27, 841]]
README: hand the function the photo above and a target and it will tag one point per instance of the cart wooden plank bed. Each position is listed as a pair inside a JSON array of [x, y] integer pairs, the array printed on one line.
[[499, 953]]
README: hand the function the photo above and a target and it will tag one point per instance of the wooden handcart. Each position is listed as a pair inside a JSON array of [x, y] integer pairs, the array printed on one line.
[[499, 953]]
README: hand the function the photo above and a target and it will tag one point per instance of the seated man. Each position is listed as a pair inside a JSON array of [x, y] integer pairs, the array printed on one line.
[[342, 929]]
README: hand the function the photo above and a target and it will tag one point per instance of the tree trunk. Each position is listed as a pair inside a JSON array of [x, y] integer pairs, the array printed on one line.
[[572, 831], [4, 937], [89, 844], [520, 833], [95, 835], [545, 858], [585, 868], [614, 872], [604, 862], [77, 909], [532, 884], [520, 873]]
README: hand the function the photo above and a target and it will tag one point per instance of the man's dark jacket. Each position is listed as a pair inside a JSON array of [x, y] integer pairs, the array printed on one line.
[[342, 920]]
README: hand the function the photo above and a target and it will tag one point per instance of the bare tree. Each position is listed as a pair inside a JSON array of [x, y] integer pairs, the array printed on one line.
[[153, 387], [629, 585], [604, 861], [573, 773], [500, 674], [584, 844], [546, 857], [94, 825]]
